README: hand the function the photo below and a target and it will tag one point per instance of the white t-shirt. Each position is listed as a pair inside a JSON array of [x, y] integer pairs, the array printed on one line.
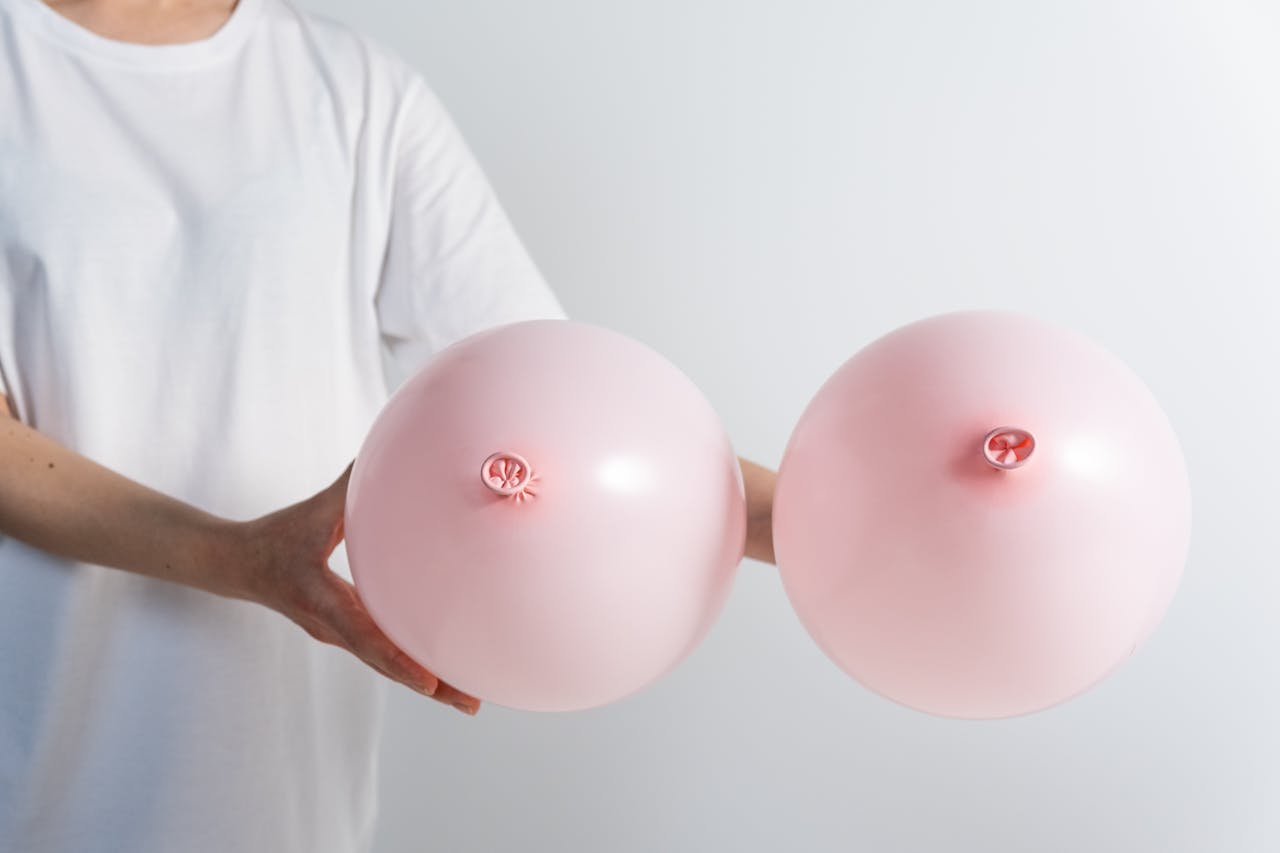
[[212, 257]]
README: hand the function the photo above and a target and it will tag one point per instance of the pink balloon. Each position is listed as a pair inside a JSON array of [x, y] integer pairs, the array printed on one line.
[[548, 516], [981, 515]]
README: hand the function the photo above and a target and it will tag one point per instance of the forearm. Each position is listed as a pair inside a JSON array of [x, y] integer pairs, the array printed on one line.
[[759, 485], [69, 505], [66, 504]]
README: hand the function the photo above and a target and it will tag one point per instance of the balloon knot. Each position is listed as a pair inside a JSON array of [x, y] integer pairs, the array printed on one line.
[[509, 475], [1007, 448]]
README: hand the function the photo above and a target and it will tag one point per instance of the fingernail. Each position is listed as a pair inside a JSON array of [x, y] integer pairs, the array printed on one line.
[[429, 687], [465, 708]]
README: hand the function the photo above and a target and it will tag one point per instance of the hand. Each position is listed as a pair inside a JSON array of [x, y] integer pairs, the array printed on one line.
[[287, 570]]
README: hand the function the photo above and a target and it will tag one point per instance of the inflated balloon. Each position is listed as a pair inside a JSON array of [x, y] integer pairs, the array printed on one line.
[[548, 516], [981, 515]]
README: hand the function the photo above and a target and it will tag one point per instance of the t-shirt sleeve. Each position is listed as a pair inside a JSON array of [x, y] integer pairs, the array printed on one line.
[[454, 264]]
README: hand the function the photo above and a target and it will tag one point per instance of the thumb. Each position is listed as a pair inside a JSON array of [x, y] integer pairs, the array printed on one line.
[[329, 506], [335, 494]]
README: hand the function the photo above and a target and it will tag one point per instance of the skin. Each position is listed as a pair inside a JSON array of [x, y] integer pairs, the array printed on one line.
[[147, 21], [68, 505]]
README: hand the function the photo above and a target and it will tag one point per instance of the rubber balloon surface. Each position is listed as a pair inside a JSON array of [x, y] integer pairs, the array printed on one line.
[[981, 514], [548, 516]]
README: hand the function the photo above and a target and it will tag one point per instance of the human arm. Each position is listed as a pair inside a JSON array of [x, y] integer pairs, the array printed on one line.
[[759, 482], [59, 501]]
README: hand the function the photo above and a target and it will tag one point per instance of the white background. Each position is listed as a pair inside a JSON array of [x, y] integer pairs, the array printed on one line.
[[757, 189]]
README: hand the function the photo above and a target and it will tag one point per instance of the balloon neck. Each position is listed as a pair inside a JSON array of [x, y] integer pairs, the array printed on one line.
[[1008, 447], [508, 475]]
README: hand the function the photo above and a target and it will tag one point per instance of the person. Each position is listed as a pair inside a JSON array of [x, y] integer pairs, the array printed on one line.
[[226, 231]]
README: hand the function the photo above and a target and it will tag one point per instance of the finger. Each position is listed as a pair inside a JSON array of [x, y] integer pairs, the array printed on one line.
[[442, 692], [347, 616], [451, 695], [318, 630], [382, 647], [423, 682], [334, 495], [335, 603], [330, 505], [338, 488], [322, 632], [376, 646]]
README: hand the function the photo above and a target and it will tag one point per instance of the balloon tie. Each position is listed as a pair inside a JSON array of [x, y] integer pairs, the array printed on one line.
[[1007, 447], [509, 475]]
